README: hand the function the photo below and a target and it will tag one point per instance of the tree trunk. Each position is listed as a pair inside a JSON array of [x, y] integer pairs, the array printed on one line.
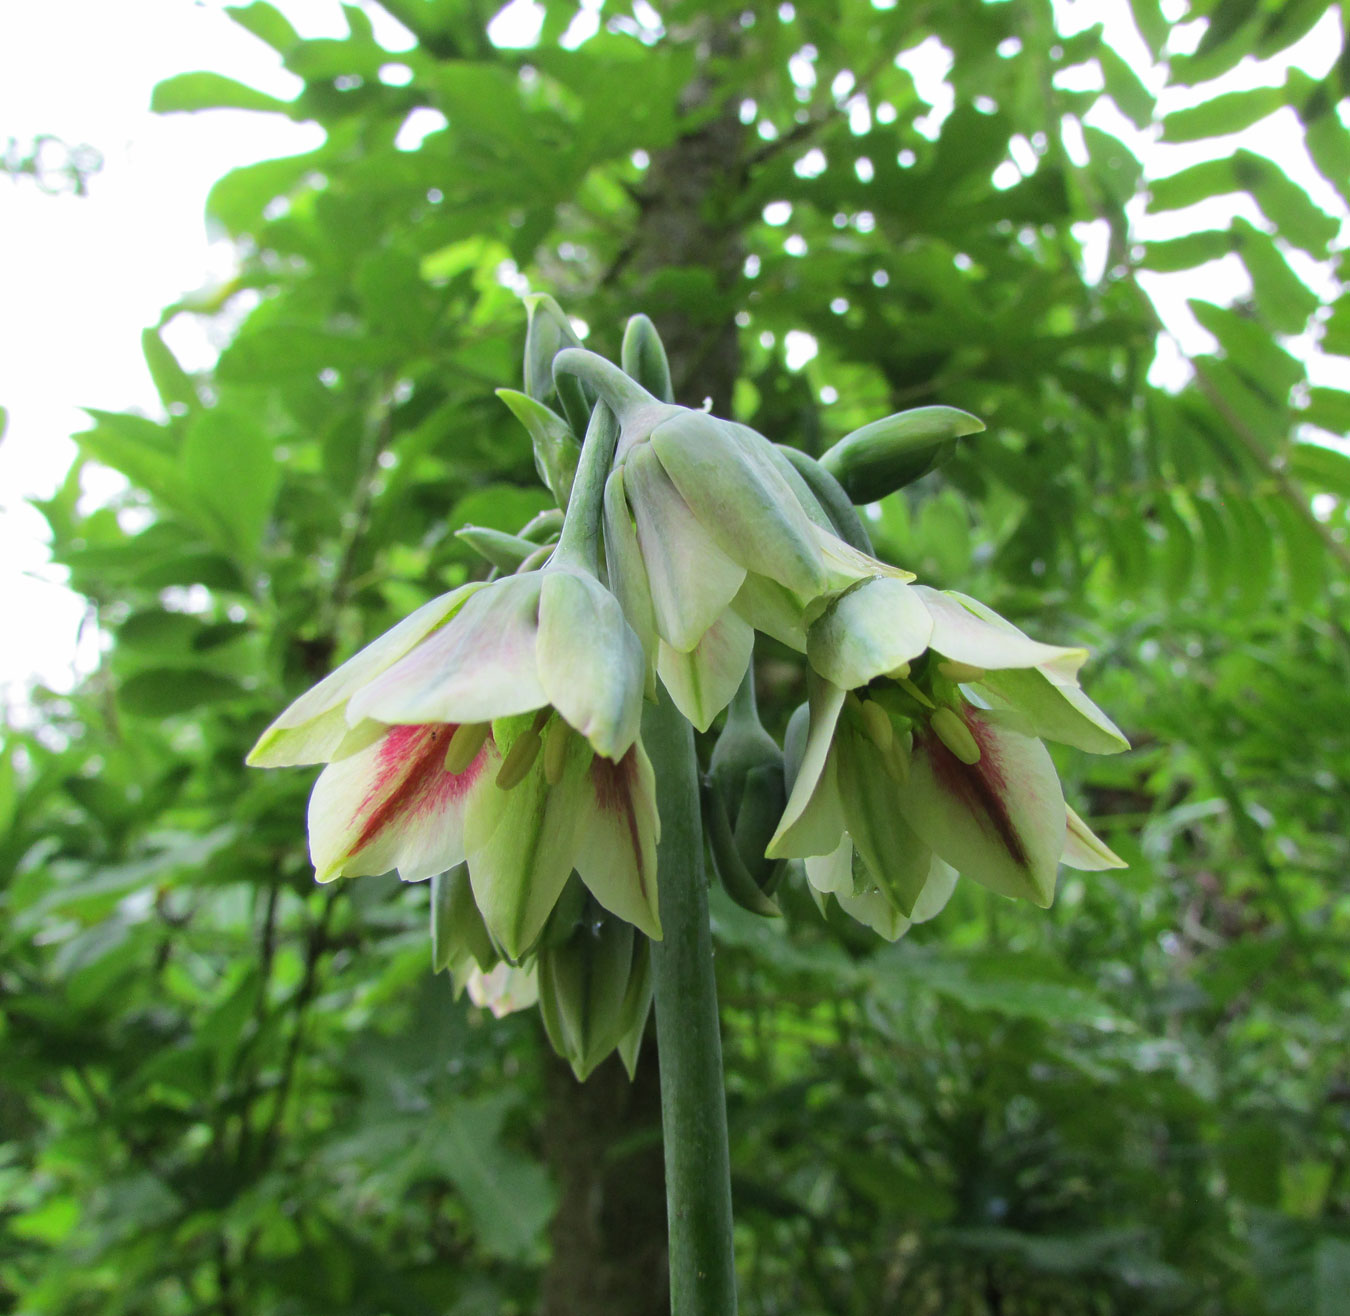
[[603, 1143]]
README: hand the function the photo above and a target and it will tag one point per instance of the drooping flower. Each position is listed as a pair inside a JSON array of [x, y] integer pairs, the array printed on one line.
[[926, 717], [709, 535], [498, 725]]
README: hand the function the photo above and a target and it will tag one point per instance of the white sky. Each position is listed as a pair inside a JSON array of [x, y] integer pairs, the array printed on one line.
[[84, 276]]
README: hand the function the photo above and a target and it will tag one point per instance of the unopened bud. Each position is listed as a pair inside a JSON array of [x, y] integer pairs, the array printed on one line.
[[890, 453]]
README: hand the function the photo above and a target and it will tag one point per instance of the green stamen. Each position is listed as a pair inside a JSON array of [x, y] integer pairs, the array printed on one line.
[[959, 672], [556, 736], [877, 725], [954, 733], [465, 744], [519, 760], [899, 673]]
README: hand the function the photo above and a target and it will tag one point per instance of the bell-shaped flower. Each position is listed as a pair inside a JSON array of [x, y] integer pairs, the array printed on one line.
[[706, 538], [926, 712], [499, 726]]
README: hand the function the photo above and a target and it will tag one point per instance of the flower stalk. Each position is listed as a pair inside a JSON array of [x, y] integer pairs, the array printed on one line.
[[689, 1043]]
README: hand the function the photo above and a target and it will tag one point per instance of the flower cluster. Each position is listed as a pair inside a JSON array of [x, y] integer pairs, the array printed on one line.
[[491, 741]]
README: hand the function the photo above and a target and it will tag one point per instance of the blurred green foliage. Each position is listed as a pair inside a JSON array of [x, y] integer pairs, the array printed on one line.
[[225, 1090]]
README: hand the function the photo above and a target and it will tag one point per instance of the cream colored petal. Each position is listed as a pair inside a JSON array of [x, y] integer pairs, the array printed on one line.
[[1000, 822], [867, 631], [480, 666], [590, 662], [702, 681], [393, 805], [310, 730], [1086, 851], [616, 857], [987, 640], [813, 819], [691, 580]]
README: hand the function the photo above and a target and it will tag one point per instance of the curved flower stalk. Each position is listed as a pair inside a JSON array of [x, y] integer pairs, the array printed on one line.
[[924, 745], [707, 538], [497, 725]]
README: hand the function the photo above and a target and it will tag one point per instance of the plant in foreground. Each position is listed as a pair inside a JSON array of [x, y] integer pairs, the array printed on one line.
[[526, 742]]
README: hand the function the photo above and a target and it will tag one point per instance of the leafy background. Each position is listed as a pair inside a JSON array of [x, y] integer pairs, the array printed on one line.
[[225, 1090]]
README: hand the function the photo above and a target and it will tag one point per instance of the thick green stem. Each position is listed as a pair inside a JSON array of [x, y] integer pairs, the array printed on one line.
[[693, 1102], [578, 546]]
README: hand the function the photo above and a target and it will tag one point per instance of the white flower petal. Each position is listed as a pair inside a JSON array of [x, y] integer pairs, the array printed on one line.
[[867, 631], [393, 805], [314, 725], [986, 640], [480, 666], [702, 681], [590, 662], [692, 581], [1086, 851], [813, 818], [727, 475], [1057, 711]]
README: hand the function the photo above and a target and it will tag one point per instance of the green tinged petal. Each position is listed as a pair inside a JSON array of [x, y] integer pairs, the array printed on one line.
[[1057, 712], [729, 477], [624, 567], [619, 828], [591, 665], [522, 843], [313, 727], [814, 817], [896, 858], [1000, 822], [691, 580], [985, 639], [480, 666], [1085, 850], [702, 681], [770, 608], [867, 631]]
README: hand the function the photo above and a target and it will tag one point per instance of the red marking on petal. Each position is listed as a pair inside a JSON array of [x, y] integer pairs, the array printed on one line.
[[982, 787], [410, 779], [614, 784]]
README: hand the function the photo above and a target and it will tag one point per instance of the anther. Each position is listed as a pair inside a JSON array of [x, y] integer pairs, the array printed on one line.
[[519, 759], [959, 672], [556, 736], [877, 724], [464, 745], [954, 733]]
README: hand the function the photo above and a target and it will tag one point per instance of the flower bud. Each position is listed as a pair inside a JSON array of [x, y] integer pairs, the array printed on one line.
[[743, 801], [888, 454], [459, 937], [503, 551], [643, 357], [595, 991], [556, 450]]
